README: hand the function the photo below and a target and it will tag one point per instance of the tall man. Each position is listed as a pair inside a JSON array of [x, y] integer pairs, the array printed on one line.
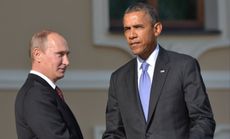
[[40, 109], [159, 94]]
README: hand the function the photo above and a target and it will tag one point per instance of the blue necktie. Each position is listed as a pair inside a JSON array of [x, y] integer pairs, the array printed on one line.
[[144, 88]]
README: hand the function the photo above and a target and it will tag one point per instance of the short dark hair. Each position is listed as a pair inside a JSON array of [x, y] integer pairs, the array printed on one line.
[[147, 8]]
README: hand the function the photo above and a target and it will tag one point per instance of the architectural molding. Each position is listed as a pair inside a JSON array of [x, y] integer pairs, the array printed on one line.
[[216, 79], [193, 45], [99, 79], [101, 36], [98, 131], [222, 131]]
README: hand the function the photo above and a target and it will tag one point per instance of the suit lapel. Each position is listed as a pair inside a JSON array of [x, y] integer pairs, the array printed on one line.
[[160, 74], [69, 118], [132, 86]]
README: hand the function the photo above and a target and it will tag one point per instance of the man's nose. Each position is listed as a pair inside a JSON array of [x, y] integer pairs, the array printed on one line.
[[132, 34], [66, 60]]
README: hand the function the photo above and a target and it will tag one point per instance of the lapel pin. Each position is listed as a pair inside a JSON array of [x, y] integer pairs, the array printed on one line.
[[162, 71]]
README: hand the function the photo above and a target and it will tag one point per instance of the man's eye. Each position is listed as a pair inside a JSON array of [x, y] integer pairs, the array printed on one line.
[[125, 29], [138, 27], [59, 54]]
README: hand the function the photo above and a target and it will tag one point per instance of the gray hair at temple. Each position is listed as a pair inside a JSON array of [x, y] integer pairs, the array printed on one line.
[[147, 8], [39, 40]]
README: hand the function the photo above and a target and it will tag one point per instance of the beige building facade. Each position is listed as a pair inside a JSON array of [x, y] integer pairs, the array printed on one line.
[[96, 53]]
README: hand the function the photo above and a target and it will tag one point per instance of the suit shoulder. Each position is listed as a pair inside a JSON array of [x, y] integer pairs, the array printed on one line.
[[32, 90], [33, 95], [179, 57], [126, 67], [181, 61]]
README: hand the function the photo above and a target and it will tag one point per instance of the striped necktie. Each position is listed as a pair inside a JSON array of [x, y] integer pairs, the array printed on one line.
[[59, 92]]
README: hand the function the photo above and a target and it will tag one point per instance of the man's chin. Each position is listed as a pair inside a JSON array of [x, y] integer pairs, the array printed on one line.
[[60, 76], [136, 52]]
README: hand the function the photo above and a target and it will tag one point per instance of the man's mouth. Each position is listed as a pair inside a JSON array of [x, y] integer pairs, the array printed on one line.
[[133, 44], [62, 69]]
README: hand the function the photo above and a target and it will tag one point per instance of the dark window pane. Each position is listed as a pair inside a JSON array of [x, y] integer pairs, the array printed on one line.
[[175, 14], [177, 9], [116, 11]]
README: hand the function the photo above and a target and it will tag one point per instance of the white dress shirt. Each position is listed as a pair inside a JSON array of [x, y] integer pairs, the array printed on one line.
[[151, 61], [44, 77]]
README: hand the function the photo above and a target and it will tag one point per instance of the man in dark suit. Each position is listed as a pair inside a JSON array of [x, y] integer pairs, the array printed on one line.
[[159, 94], [40, 109]]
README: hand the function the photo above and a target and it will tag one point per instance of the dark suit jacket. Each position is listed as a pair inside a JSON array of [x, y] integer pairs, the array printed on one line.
[[179, 106], [41, 114]]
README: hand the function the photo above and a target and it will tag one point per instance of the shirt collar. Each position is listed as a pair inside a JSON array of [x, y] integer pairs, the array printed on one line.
[[44, 77], [151, 60]]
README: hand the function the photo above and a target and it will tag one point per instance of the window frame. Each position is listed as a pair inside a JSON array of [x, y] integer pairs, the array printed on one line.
[[115, 25]]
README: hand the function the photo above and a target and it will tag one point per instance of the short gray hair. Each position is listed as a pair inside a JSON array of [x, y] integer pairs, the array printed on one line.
[[39, 39]]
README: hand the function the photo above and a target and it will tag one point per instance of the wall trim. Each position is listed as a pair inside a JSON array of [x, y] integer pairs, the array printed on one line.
[[73, 80], [222, 131], [216, 79], [99, 79]]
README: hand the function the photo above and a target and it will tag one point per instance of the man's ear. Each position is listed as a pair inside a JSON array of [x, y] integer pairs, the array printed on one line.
[[36, 54], [157, 28]]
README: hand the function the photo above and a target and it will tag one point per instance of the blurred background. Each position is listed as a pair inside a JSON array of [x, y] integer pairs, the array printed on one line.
[[199, 28]]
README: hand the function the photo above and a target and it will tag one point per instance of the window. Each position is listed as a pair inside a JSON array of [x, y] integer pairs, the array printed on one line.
[[174, 14]]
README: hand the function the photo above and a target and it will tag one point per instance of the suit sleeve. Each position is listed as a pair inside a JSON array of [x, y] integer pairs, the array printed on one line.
[[114, 124], [202, 124], [43, 117]]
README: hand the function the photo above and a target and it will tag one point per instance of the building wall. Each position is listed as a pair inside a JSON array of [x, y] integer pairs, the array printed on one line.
[[74, 19]]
